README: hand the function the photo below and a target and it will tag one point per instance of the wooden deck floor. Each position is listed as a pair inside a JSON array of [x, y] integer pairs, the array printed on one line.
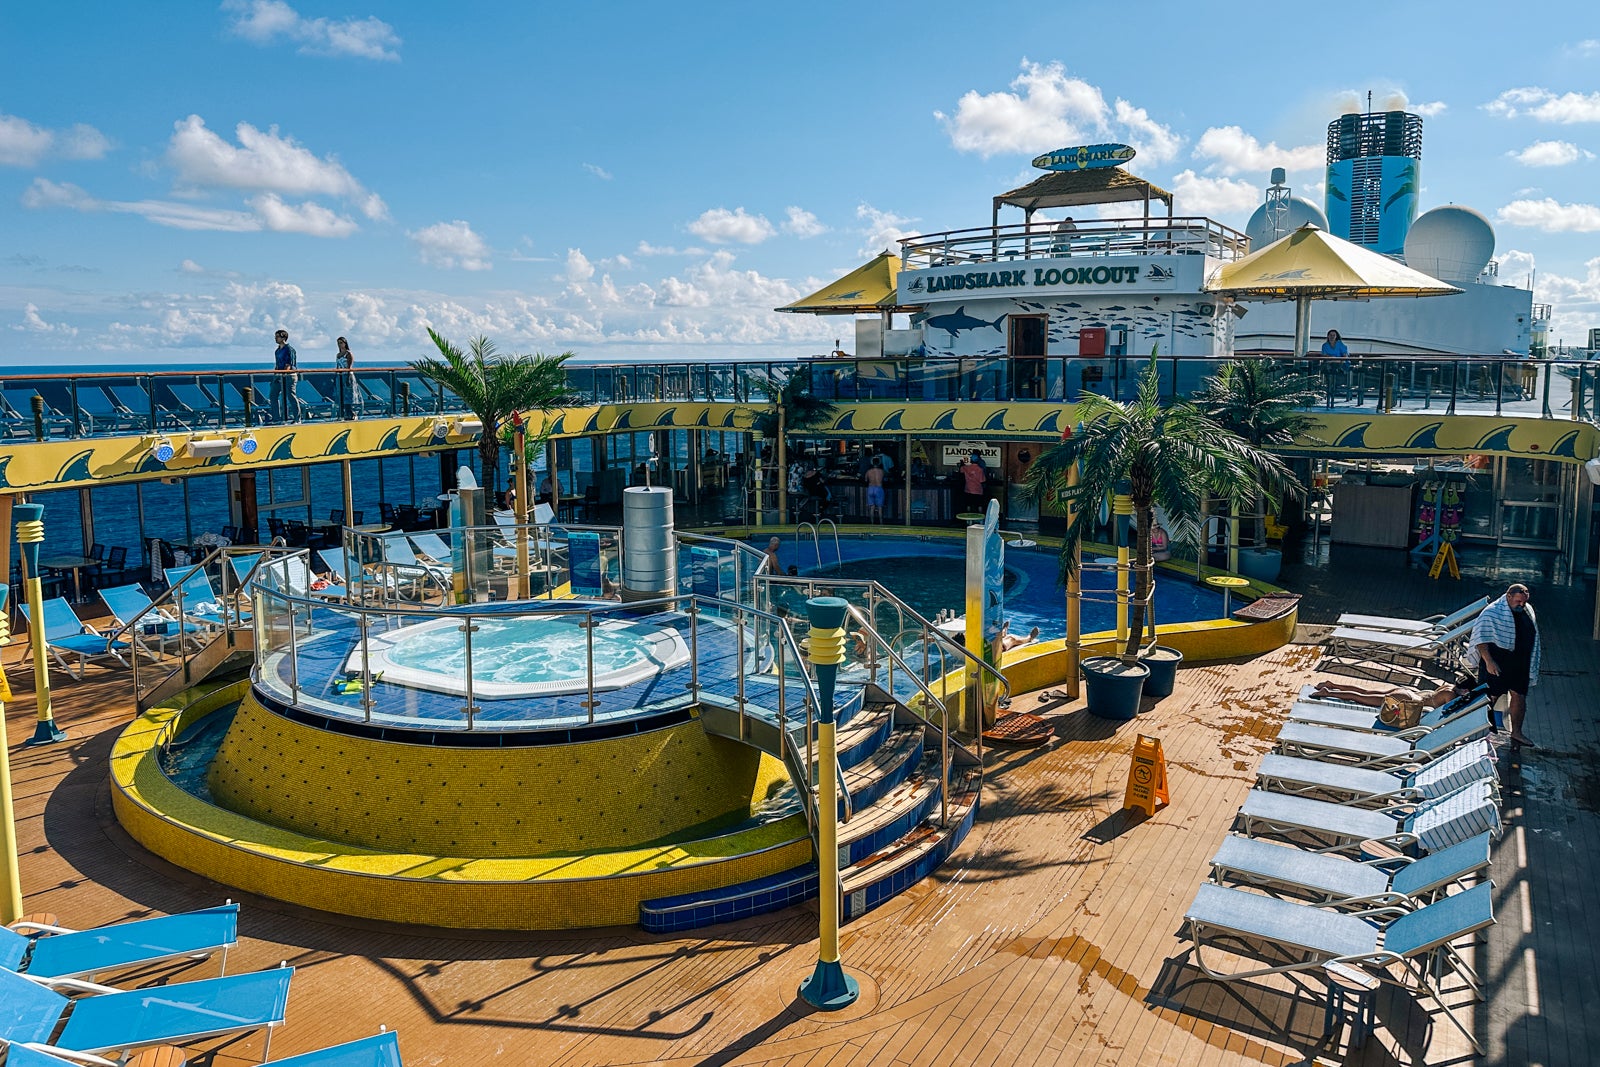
[[1051, 936]]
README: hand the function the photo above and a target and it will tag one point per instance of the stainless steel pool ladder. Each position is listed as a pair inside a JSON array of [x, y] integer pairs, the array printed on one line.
[[816, 538]]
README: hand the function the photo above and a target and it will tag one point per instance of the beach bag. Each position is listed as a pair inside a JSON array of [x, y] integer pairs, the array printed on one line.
[[1399, 714]]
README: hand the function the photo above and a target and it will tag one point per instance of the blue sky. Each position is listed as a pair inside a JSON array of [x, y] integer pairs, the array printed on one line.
[[641, 181]]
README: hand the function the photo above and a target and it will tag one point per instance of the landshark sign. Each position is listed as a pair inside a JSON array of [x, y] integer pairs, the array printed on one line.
[[1085, 157]]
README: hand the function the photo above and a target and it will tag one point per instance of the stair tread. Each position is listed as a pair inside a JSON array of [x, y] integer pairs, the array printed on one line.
[[922, 839], [912, 793], [900, 744]]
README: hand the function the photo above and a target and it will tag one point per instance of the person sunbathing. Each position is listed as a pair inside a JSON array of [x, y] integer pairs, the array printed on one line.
[[1374, 698], [1009, 640]]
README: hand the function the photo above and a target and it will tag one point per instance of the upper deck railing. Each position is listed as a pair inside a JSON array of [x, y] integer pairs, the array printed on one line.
[[1075, 239], [52, 407]]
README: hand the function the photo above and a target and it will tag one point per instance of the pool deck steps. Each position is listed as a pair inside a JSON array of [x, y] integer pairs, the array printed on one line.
[[882, 875]]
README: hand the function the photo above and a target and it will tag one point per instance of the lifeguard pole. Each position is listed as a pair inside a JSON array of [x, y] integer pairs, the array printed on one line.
[[30, 534], [829, 988]]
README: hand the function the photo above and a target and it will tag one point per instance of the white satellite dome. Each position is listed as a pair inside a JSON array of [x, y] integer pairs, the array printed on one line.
[[1301, 211], [1451, 243]]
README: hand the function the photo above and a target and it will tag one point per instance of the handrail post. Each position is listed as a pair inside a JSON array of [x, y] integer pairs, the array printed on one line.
[[738, 621], [466, 629], [294, 656], [783, 696], [811, 755], [366, 666], [588, 625], [1499, 384], [944, 766], [694, 647]]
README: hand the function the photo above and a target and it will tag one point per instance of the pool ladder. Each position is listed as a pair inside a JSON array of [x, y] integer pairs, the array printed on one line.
[[816, 539]]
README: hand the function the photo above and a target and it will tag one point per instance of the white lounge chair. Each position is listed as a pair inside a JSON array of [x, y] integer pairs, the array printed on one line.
[[1431, 624], [1377, 750], [1326, 827], [1473, 761], [1354, 643], [1361, 717], [1328, 879]]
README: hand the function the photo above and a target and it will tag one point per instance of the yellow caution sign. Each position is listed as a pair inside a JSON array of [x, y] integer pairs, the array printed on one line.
[[1446, 556], [1147, 777]]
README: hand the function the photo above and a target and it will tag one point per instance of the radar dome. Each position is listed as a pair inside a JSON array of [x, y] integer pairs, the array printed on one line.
[[1451, 243], [1259, 229]]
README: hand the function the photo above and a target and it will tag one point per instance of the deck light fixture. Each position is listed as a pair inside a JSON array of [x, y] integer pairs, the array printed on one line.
[[208, 447], [162, 451], [466, 427], [247, 444]]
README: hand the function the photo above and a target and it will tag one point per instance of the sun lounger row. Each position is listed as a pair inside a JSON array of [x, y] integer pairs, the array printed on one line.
[[50, 1015], [1381, 865]]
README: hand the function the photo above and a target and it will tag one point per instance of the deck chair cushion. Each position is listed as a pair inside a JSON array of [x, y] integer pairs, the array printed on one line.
[[178, 1012], [379, 1050], [144, 941]]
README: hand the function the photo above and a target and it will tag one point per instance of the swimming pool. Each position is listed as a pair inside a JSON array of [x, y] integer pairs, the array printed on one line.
[[521, 655], [929, 574]]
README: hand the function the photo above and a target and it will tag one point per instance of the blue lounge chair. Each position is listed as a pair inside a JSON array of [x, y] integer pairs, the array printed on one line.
[[65, 634], [379, 1050], [1328, 879], [112, 1020], [1377, 750], [1399, 947], [200, 601], [1327, 827], [1365, 787], [127, 601], [57, 952]]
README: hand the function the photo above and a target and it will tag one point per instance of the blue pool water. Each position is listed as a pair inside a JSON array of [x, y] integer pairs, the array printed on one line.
[[929, 574]]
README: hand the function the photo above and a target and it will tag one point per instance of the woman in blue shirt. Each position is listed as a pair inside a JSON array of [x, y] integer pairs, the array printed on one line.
[[1334, 347]]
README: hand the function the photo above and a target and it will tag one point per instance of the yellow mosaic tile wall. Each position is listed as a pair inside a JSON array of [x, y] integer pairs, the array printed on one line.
[[617, 793], [541, 893]]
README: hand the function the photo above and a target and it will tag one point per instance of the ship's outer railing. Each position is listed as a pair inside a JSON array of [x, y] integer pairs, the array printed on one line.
[[42, 407], [1074, 239], [333, 640]]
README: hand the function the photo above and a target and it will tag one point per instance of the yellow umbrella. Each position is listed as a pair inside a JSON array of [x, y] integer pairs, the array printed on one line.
[[1308, 264], [873, 286]]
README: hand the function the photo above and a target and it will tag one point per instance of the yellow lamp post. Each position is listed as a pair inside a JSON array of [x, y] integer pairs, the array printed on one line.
[[829, 988], [30, 534], [1122, 508], [10, 879]]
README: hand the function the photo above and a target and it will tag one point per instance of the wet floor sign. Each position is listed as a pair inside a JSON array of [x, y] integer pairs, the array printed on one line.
[[1147, 776], [1446, 557]]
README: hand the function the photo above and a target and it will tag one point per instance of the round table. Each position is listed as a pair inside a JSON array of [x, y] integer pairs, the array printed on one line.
[[1227, 583], [75, 564], [970, 517]]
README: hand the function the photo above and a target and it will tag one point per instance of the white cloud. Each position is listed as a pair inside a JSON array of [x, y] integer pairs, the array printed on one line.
[[721, 226], [22, 144], [262, 161], [647, 249], [308, 218], [1155, 143], [1546, 106], [1046, 108], [1233, 151], [1430, 109], [265, 22], [450, 245], [1551, 216], [189, 266], [598, 171], [802, 223], [1516, 266], [1585, 49], [1550, 154], [1219, 198], [579, 269], [882, 229], [33, 322], [1351, 102], [267, 212]]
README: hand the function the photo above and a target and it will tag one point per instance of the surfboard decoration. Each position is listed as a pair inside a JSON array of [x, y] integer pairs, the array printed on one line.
[[1085, 157]]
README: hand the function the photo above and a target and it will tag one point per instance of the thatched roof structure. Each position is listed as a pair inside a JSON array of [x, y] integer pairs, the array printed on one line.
[[1074, 188]]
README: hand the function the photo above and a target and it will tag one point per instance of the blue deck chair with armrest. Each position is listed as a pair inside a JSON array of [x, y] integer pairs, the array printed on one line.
[[1431, 624], [434, 547], [200, 600], [1365, 787], [67, 635], [379, 1050], [357, 581], [111, 1020], [1347, 883], [1326, 827], [1363, 718], [1364, 749], [58, 952], [1407, 949], [127, 601], [401, 560]]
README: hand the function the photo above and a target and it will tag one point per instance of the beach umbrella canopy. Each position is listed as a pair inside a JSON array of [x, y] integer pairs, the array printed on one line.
[[1310, 264], [873, 286]]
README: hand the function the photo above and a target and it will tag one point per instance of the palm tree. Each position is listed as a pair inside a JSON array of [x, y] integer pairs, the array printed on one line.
[[1158, 455], [1266, 409], [492, 386], [802, 409]]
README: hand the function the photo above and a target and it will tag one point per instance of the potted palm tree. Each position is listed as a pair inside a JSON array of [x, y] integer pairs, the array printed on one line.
[[492, 386], [1158, 455], [1267, 410]]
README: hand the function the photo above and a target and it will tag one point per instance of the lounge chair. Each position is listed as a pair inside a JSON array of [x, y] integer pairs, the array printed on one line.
[[1355, 643], [1327, 827], [352, 579], [199, 601], [379, 1050], [1364, 718], [57, 952], [1364, 787], [400, 560], [1329, 879], [67, 635], [127, 602], [1403, 948], [1431, 624], [1377, 750], [111, 1020], [434, 548]]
